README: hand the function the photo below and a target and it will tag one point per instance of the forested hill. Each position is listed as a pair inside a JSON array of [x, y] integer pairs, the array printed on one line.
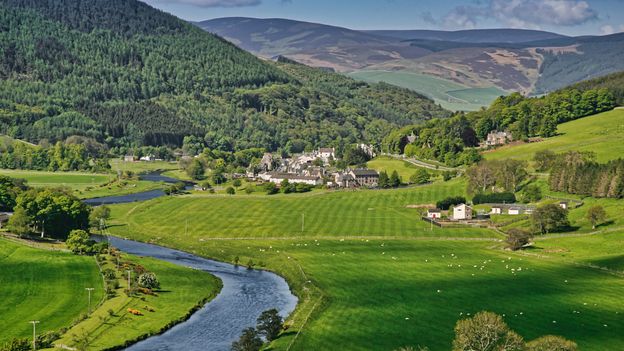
[[613, 82], [132, 75]]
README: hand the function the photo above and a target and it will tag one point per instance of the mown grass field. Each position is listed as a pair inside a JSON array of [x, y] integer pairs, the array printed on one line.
[[181, 290], [602, 133], [141, 167], [383, 213], [43, 285], [389, 164], [379, 279], [450, 95], [73, 180]]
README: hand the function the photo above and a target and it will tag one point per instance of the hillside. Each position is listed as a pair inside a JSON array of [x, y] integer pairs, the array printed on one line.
[[508, 60], [602, 134], [124, 74]]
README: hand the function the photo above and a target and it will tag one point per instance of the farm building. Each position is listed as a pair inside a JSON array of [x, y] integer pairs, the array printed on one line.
[[462, 212], [497, 210], [365, 177], [564, 205], [4, 218], [434, 213], [514, 211], [130, 158]]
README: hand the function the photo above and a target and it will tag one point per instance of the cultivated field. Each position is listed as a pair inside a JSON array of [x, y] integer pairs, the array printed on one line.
[[43, 285], [602, 133], [370, 274], [450, 95]]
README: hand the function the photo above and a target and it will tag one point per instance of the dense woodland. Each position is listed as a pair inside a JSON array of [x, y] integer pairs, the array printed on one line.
[[126, 75], [447, 140]]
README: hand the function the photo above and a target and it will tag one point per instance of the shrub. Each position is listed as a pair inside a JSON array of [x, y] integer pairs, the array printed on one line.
[[149, 281], [230, 191], [450, 201], [507, 198]]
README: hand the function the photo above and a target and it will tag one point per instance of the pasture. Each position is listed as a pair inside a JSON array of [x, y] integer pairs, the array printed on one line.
[[602, 133], [74, 180], [373, 213], [181, 290], [389, 164], [450, 95], [44, 285]]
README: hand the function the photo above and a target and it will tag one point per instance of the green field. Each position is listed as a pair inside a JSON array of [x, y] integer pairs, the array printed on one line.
[[43, 285], [450, 95], [602, 133], [370, 275], [382, 213], [73, 180], [182, 290], [389, 164], [142, 167]]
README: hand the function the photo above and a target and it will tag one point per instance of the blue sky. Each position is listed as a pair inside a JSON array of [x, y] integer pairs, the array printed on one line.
[[572, 17]]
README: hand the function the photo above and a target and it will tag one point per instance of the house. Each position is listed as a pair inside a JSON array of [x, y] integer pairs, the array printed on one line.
[[266, 164], [278, 178], [434, 213], [148, 158], [496, 210], [365, 177], [564, 205], [344, 180], [496, 138], [462, 212], [130, 158], [368, 150], [514, 211], [327, 154]]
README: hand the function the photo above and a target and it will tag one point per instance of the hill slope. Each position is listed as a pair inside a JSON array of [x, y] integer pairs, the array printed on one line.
[[502, 35], [125, 74]]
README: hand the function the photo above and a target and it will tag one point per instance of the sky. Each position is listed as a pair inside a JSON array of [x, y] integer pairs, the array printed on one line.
[[570, 17]]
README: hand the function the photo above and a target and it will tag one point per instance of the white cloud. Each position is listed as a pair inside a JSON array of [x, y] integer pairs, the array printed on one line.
[[213, 3], [610, 29], [523, 13]]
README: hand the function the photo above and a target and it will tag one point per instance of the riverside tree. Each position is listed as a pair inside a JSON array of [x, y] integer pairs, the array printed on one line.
[[270, 324], [248, 341]]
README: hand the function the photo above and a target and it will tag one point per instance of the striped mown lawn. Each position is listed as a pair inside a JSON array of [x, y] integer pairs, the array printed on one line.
[[48, 286], [324, 214]]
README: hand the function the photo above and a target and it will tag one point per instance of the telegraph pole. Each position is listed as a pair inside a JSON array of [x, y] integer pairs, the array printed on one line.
[[89, 290], [34, 323]]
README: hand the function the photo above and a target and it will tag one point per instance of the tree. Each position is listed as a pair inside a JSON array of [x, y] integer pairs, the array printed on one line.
[[517, 239], [196, 170], [271, 188], [395, 180], [420, 177], [549, 218], [384, 181], [149, 281], [79, 242], [218, 178], [551, 343], [98, 217], [486, 331], [270, 324], [510, 173], [448, 175], [248, 341], [237, 183], [480, 177], [230, 190], [20, 222], [544, 160], [596, 215], [531, 193]]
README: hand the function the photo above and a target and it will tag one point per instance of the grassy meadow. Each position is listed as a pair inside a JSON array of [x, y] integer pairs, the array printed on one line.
[[602, 133], [381, 213], [43, 285], [74, 180], [182, 289], [389, 164], [448, 94], [371, 275]]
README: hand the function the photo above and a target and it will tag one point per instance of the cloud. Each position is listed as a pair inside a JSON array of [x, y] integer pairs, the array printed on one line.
[[609, 29], [213, 3], [428, 17], [522, 13]]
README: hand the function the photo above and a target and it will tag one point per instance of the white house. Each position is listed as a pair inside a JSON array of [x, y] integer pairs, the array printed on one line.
[[496, 210], [327, 154], [278, 178], [564, 205], [462, 212], [148, 158], [514, 211], [434, 213]]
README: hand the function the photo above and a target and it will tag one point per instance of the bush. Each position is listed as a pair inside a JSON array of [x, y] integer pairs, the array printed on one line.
[[495, 198], [237, 183], [149, 281], [230, 191], [271, 188], [517, 239], [78, 242], [450, 201]]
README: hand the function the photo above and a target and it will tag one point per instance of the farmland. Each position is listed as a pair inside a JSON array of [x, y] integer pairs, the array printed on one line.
[[43, 285], [450, 95], [382, 213], [602, 133], [370, 275]]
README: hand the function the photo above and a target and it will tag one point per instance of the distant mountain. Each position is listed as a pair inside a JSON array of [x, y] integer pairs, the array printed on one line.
[[313, 44], [502, 35], [124, 74], [527, 61]]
